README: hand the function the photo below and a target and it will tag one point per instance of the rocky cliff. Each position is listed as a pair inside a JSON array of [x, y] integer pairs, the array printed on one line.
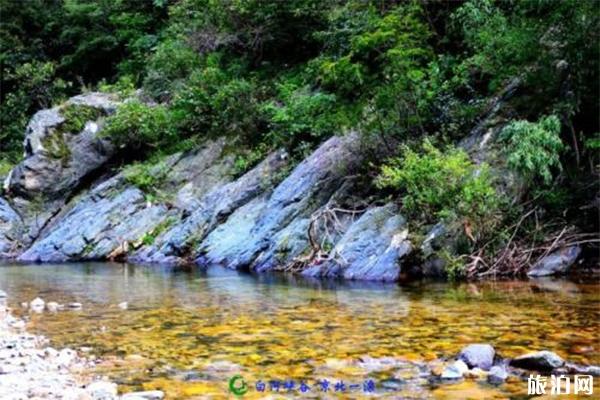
[[64, 202]]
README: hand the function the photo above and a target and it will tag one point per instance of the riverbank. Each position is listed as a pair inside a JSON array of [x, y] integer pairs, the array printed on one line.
[[30, 368]]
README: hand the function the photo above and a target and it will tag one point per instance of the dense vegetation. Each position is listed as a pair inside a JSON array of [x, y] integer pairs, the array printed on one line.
[[291, 73]]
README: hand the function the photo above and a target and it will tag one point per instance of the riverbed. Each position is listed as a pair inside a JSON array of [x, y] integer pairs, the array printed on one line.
[[188, 331]]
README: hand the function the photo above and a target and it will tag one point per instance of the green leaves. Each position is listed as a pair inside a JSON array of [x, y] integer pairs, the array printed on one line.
[[442, 185], [141, 126], [533, 149]]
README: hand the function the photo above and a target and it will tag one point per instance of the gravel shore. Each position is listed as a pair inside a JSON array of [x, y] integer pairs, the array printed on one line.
[[31, 369]]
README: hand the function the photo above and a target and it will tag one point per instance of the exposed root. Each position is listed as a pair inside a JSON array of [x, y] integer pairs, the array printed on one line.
[[323, 227], [519, 255]]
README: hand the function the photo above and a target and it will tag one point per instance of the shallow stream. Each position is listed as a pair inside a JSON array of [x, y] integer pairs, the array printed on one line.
[[188, 331]]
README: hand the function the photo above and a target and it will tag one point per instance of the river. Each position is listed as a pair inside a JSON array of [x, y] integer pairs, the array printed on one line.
[[187, 331]]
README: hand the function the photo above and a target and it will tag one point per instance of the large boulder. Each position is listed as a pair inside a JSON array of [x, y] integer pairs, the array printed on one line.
[[556, 263], [64, 148], [371, 249], [60, 152]]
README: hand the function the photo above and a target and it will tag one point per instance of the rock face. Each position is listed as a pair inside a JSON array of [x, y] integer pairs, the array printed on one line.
[[11, 226], [118, 215], [478, 356], [257, 221], [556, 263], [212, 208], [308, 187], [60, 156], [538, 361], [371, 249]]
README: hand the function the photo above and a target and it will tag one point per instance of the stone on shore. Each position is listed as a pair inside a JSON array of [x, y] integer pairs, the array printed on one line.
[[146, 395], [37, 305], [556, 263], [102, 390]]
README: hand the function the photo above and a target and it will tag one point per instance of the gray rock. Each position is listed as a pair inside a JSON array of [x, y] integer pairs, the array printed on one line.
[[538, 361], [37, 304], [478, 356], [56, 165], [213, 208], [56, 162], [456, 370], [148, 395], [11, 229], [431, 241], [497, 375], [309, 186], [74, 306], [572, 368], [223, 244], [102, 390], [371, 249], [556, 263]]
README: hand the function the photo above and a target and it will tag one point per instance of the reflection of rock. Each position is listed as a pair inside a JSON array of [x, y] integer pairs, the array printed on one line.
[[556, 263], [478, 356], [549, 284], [538, 361]]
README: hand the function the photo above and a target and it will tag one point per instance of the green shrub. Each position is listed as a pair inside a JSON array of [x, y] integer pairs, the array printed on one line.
[[146, 176], [76, 115], [214, 104], [442, 185], [300, 113], [169, 67], [26, 89], [141, 126], [533, 149]]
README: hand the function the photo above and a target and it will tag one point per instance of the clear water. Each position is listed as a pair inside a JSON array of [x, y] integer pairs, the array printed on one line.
[[187, 331]]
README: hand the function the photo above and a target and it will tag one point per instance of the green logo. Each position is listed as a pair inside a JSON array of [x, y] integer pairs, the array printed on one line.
[[237, 385]]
